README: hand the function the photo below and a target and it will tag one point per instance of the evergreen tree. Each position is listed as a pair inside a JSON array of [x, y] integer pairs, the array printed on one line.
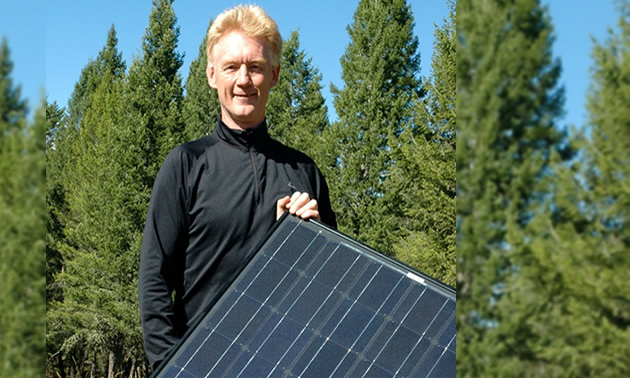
[[95, 325], [22, 286], [578, 320], [422, 190], [12, 107], [55, 199], [56, 213], [154, 88], [296, 111], [63, 150], [109, 60], [99, 308], [201, 109], [507, 102], [609, 125], [104, 157], [380, 69], [121, 128]]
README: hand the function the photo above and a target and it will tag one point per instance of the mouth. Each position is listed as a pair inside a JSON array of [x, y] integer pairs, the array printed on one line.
[[244, 96]]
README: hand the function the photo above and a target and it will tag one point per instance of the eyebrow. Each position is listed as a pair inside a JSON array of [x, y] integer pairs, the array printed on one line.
[[233, 61]]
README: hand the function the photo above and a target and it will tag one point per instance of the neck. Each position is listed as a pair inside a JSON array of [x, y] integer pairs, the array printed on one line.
[[235, 125]]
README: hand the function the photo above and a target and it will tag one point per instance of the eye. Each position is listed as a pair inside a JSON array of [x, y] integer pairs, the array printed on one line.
[[256, 67]]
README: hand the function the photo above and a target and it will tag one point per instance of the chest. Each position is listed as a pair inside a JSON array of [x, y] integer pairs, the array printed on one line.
[[232, 191]]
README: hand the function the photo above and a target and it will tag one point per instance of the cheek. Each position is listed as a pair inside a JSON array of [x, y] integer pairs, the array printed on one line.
[[263, 84]]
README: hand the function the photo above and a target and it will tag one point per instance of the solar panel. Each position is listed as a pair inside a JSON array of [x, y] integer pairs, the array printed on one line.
[[312, 302]]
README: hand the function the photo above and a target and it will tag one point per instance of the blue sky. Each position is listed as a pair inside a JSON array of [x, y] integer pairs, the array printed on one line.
[[23, 23], [52, 41], [575, 23]]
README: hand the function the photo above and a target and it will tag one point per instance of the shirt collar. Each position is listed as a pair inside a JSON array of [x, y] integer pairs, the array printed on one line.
[[253, 137]]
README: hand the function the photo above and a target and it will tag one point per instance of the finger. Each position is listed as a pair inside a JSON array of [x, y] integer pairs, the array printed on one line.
[[301, 200], [311, 214], [310, 205], [282, 202], [281, 206], [294, 198]]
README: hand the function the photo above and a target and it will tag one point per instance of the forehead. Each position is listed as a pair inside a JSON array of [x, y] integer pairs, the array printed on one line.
[[237, 46]]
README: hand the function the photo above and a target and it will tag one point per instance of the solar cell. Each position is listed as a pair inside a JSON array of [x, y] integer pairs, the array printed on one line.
[[312, 302]]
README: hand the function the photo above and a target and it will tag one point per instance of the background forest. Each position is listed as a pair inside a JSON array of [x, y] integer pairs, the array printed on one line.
[[541, 225], [543, 239]]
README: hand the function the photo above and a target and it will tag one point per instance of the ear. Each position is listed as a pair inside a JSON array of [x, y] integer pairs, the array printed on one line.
[[210, 71], [275, 74]]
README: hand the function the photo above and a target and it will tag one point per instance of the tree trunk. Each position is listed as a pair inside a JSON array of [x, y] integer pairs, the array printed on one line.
[[110, 369], [133, 366]]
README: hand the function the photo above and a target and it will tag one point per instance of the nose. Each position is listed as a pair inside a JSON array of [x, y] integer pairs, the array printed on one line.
[[243, 77]]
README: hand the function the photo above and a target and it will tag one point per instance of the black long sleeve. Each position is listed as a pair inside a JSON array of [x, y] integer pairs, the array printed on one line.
[[213, 200]]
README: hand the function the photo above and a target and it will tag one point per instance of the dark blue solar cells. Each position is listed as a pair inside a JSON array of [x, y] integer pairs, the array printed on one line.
[[326, 360], [314, 303], [444, 365], [349, 323], [277, 337], [416, 358]]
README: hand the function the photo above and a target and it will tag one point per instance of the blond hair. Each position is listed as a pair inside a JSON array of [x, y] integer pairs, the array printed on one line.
[[251, 20]]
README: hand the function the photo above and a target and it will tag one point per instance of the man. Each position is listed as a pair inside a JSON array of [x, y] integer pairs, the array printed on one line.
[[215, 198]]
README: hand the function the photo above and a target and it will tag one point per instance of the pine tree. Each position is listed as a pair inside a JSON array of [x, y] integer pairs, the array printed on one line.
[[12, 107], [155, 92], [422, 193], [380, 70], [56, 213], [107, 152], [94, 323], [566, 302], [55, 199], [507, 101], [22, 286], [609, 121], [579, 320], [109, 60], [63, 135], [296, 111], [100, 281], [201, 109]]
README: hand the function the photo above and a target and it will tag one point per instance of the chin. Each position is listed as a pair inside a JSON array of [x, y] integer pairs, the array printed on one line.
[[245, 118], [246, 112]]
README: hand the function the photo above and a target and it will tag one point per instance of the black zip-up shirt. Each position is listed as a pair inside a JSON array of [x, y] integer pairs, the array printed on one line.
[[212, 202]]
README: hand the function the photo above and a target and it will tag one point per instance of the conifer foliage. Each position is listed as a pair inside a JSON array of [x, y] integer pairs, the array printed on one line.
[[201, 107], [380, 70], [118, 130], [12, 106], [296, 112], [583, 260], [508, 100], [541, 219], [422, 190], [22, 211], [154, 88]]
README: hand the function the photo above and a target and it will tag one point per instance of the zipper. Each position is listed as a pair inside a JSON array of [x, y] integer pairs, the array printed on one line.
[[257, 191]]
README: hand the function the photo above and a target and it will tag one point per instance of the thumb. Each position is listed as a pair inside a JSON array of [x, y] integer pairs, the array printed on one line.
[[281, 206]]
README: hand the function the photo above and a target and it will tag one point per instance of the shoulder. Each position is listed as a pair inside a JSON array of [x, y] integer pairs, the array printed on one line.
[[186, 155], [181, 160]]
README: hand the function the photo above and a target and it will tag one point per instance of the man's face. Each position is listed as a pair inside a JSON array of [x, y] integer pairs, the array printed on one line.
[[243, 76]]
